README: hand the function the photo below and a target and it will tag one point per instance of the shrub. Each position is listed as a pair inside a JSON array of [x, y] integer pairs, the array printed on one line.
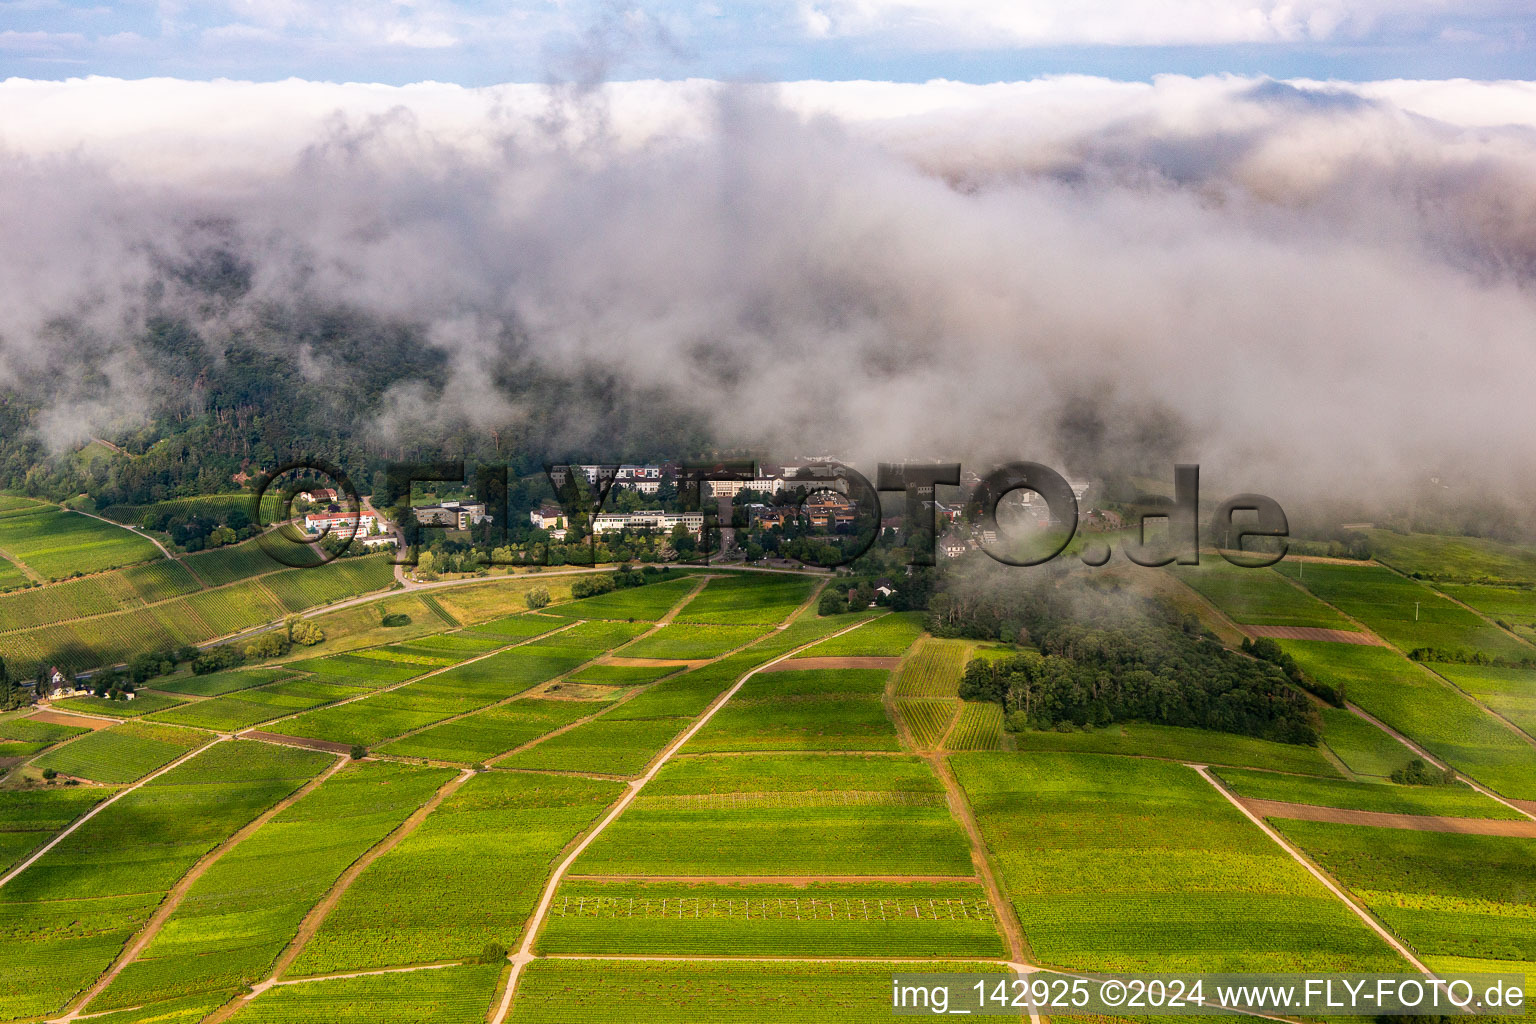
[[1418, 773], [538, 597], [50, 774], [268, 645], [396, 619], [493, 953], [359, 751], [305, 633], [831, 603]]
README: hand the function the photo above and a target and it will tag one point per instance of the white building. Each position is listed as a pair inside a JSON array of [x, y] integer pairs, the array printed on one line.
[[645, 479], [731, 488], [359, 524], [649, 519], [549, 518]]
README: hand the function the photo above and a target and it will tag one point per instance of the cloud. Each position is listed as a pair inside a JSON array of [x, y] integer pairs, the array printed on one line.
[[1309, 288]]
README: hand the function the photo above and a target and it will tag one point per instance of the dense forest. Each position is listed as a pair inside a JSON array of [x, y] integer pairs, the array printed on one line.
[[1094, 653]]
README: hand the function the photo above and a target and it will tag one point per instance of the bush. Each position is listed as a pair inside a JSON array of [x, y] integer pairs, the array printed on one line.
[[591, 586], [1419, 773], [396, 619], [536, 598], [217, 660], [268, 645], [831, 603], [50, 774], [493, 953], [305, 633], [359, 751]]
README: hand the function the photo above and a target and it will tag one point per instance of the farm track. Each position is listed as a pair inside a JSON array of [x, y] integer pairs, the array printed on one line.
[[108, 802], [173, 898], [22, 567], [1337, 636], [1315, 871], [320, 911], [1384, 819]]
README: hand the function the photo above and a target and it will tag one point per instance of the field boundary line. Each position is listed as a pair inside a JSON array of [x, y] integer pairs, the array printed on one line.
[[525, 954], [412, 679], [1003, 912], [1314, 870], [172, 900], [1432, 759], [108, 802], [1432, 588], [25, 569], [317, 914], [1443, 823]]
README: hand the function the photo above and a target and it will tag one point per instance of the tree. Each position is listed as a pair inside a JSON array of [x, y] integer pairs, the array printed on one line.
[[831, 603], [359, 751], [426, 566], [538, 597], [304, 632], [269, 645]]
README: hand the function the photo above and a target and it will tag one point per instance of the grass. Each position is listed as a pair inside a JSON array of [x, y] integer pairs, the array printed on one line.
[[645, 603], [868, 919], [11, 576], [1258, 597], [123, 753], [219, 683], [742, 600], [485, 734], [1454, 558], [1514, 606], [1509, 691], [623, 675], [1446, 894], [30, 817], [889, 636], [161, 581], [1180, 744], [515, 627], [933, 670], [1440, 801], [783, 815], [482, 602], [1364, 749], [56, 544], [453, 995], [1427, 710], [979, 727], [820, 709], [247, 907], [927, 720], [470, 875], [301, 589], [142, 704], [603, 746], [65, 918], [685, 641], [1136, 865], [1405, 613], [245, 708], [746, 992]]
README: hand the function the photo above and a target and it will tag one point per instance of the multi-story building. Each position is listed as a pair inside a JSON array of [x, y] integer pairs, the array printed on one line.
[[647, 519], [359, 524]]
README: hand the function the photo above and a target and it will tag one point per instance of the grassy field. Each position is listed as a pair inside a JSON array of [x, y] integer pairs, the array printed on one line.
[[691, 641], [56, 544], [1364, 749], [863, 919], [485, 734], [1178, 744], [1515, 607], [1454, 558], [66, 917], [623, 675], [485, 601], [1131, 864], [784, 815], [1446, 894], [604, 746], [453, 995], [30, 817], [746, 992], [239, 916], [11, 576], [927, 720], [26, 736], [1427, 710], [1258, 597], [634, 604], [123, 753], [218, 683], [245, 708], [820, 709], [142, 704], [933, 670], [889, 636], [740, 600], [470, 875], [1405, 613], [979, 727], [1440, 801], [1509, 691]]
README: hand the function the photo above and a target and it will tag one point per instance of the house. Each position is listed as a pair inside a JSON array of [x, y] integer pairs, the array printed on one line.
[[319, 495], [951, 546], [550, 518], [57, 684], [452, 515], [359, 524], [648, 519]]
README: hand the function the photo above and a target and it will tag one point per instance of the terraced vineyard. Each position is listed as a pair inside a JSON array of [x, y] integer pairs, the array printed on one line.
[[928, 720], [934, 669], [55, 543], [1258, 597], [979, 727], [123, 753]]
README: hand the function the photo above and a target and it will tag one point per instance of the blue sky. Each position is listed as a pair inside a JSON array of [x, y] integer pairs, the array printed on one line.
[[400, 41]]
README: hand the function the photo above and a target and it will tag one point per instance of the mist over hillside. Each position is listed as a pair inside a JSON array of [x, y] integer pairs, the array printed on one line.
[[1316, 290]]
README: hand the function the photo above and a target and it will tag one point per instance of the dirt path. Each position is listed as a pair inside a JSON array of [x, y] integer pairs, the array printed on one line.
[[794, 881], [173, 898], [1384, 819], [108, 802], [808, 664], [318, 913], [1337, 636], [135, 531], [1002, 907], [297, 741], [1314, 871], [22, 567], [69, 718]]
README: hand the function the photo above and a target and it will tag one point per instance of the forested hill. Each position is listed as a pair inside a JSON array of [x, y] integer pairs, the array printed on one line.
[[206, 404]]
